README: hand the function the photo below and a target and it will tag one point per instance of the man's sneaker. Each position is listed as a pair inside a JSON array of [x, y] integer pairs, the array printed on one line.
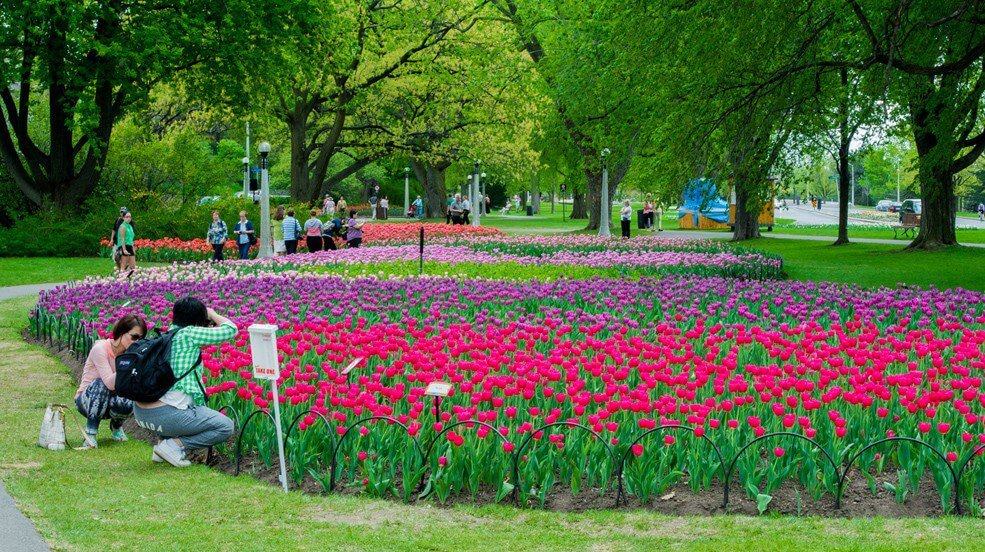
[[118, 435], [169, 451]]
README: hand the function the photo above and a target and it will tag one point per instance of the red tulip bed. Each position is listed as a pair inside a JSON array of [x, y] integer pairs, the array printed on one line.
[[172, 249], [609, 391]]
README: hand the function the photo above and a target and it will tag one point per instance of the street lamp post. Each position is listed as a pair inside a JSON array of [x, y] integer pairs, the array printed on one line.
[[266, 247], [406, 189], [606, 211], [897, 179], [474, 192], [246, 178], [482, 195]]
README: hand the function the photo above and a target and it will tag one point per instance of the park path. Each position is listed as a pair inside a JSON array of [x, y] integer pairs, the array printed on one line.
[[13, 292], [684, 234], [16, 530]]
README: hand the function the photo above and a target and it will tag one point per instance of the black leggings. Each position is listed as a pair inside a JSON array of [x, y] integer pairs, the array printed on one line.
[[328, 244], [625, 228], [354, 242], [314, 243], [291, 246], [217, 252]]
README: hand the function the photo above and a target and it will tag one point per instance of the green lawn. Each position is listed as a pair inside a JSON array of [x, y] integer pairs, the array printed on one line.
[[116, 498], [16, 271], [878, 264]]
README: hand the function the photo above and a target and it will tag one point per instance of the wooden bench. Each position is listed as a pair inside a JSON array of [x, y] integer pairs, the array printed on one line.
[[908, 227]]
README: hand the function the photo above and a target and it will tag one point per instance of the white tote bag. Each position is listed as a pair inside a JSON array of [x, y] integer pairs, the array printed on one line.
[[53, 428]]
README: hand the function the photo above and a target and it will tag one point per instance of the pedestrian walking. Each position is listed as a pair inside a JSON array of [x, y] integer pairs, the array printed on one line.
[[114, 242], [217, 236], [455, 210], [451, 199], [277, 230], [313, 232], [648, 210], [328, 207], [354, 233], [245, 236], [417, 208], [466, 210], [292, 232], [981, 212], [625, 217], [384, 208], [341, 206], [125, 236]]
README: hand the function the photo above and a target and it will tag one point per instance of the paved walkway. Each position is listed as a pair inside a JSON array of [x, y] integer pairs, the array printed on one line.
[[12, 292], [16, 531]]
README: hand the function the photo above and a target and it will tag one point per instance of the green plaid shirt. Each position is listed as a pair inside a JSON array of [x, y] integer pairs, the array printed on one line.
[[185, 349]]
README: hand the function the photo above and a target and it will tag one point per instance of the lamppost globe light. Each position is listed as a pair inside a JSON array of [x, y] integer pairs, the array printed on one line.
[[264, 148], [406, 169], [483, 175], [605, 152], [246, 160]]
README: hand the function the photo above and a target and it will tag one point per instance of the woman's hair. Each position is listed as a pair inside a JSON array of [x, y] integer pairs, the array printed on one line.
[[190, 312], [314, 213], [279, 213], [290, 212], [127, 323], [215, 212], [352, 213], [242, 213]]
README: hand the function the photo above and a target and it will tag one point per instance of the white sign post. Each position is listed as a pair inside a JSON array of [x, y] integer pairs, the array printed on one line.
[[263, 346]]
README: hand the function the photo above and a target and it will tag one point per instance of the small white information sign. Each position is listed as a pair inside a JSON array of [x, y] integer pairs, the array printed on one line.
[[355, 362], [263, 344], [438, 389]]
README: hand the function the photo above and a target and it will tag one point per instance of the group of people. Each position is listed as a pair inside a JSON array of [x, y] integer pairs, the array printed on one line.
[[460, 208], [652, 216], [179, 418], [318, 235], [218, 235]]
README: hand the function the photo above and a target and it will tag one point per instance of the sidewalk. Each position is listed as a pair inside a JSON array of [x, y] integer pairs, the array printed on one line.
[[16, 531], [12, 292]]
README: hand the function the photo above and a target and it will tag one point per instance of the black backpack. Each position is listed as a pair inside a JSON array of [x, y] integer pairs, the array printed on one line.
[[143, 372]]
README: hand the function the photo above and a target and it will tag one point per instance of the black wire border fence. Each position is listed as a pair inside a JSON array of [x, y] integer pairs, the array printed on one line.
[[52, 330]]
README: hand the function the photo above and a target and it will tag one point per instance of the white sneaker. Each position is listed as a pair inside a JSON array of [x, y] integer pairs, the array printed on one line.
[[169, 451]]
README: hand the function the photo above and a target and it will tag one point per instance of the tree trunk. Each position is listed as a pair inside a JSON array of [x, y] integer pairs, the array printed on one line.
[[432, 180], [844, 187], [931, 116], [593, 196], [297, 123], [844, 147], [746, 215], [535, 193], [579, 208]]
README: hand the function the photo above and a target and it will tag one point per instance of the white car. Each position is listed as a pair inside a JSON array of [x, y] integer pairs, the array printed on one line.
[[884, 205]]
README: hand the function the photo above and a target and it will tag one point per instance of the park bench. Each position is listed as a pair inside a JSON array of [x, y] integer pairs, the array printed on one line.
[[908, 226]]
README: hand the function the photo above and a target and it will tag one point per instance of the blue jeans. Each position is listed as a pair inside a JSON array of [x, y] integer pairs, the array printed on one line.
[[244, 250], [96, 404], [196, 426]]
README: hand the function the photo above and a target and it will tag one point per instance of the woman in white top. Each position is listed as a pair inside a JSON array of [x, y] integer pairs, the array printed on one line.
[[625, 217]]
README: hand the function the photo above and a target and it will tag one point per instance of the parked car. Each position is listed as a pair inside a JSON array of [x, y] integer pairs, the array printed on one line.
[[894, 207], [254, 195], [884, 204], [207, 199], [912, 206]]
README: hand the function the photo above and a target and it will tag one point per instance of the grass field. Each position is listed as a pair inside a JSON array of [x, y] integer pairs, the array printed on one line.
[[964, 236], [16, 271], [877, 264], [116, 498]]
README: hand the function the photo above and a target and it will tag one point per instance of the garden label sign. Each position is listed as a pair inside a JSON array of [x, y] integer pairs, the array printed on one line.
[[263, 346]]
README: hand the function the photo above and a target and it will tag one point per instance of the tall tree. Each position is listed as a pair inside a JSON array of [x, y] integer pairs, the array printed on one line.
[[83, 65]]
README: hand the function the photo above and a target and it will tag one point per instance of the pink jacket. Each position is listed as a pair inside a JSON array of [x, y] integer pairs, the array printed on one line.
[[101, 363]]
